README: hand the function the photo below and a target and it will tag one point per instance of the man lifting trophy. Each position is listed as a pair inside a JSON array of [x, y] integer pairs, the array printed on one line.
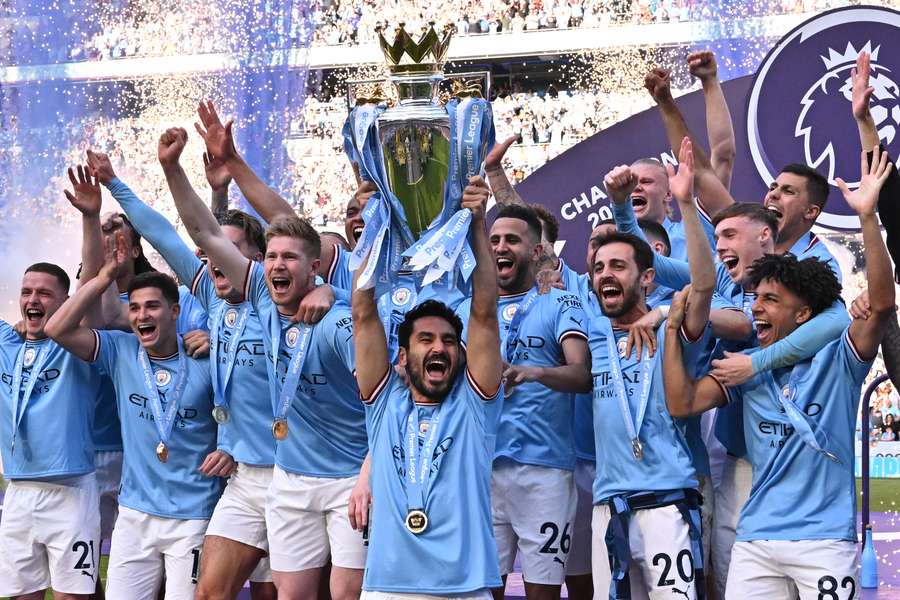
[[418, 152]]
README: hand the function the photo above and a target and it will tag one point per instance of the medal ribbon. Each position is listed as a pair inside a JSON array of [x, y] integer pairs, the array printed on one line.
[[392, 315], [811, 435], [221, 386], [295, 368], [445, 248], [164, 420], [20, 402], [632, 425], [418, 467], [521, 312]]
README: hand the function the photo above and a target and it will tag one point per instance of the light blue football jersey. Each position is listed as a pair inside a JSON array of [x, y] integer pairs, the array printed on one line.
[[107, 430], [667, 463], [247, 435], [326, 423], [54, 437], [535, 422], [798, 493], [458, 505], [174, 489], [339, 273]]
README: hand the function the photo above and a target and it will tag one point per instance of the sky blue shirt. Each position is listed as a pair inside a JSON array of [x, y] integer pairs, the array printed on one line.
[[460, 531], [667, 463], [55, 435], [339, 274], [174, 489], [535, 423], [247, 435], [326, 423], [788, 474]]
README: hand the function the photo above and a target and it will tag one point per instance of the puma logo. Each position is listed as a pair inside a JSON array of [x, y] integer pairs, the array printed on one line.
[[675, 590], [556, 558]]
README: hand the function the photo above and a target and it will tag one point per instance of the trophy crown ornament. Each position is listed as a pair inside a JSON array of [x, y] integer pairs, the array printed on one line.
[[405, 55]]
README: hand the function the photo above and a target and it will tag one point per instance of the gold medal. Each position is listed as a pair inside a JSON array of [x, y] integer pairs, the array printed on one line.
[[416, 521], [162, 452], [279, 429], [220, 415]]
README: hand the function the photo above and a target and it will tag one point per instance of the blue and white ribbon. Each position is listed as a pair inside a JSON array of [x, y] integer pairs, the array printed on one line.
[[221, 378], [810, 433], [291, 383], [444, 249], [163, 419], [20, 400]]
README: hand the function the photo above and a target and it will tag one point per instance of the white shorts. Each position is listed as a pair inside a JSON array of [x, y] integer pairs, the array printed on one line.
[[662, 562], [479, 595], [307, 520], [777, 570], [533, 512], [144, 547], [240, 514], [109, 478], [579, 562], [730, 497], [50, 536]]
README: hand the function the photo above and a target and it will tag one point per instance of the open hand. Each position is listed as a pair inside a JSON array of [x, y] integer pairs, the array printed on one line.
[[86, 197], [217, 174], [736, 368], [100, 167], [861, 93], [219, 138], [864, 199], [681, 183]]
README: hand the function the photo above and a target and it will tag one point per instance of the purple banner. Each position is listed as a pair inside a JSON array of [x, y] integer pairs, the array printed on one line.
[[796, 108]]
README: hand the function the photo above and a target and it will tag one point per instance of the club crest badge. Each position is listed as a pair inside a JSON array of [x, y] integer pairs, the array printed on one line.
[[291, 337], [28, 358], [163, 377], [800, 103], [509, 311], [231, 318], [400, 296], [621, 345]]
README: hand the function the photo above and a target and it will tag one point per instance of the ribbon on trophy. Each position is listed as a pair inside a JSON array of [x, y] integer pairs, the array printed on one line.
[[444, 249], [386, 233]]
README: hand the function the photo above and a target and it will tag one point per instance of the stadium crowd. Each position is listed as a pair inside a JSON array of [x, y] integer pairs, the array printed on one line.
[[645, 429], [123, 29]]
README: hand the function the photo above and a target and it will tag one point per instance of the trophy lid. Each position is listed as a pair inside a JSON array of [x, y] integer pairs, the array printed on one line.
[[406, 56]]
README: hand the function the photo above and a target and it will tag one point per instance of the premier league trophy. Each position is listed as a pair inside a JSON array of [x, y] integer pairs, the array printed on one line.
[[419, 151]]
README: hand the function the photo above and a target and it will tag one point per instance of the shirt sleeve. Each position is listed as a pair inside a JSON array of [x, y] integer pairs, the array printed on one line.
[[8, 335], [805, 341], [255, 289], [341, 340], [571, 320], [158, 231], [106, 349]]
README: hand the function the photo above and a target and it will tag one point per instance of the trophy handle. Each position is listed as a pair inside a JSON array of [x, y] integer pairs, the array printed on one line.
[[485, 76]]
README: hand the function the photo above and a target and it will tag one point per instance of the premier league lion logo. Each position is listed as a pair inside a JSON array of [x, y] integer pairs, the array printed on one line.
[[800, 103]]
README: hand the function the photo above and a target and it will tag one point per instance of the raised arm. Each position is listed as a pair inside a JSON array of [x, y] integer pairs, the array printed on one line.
[[620, 182], [483, 348], [719, 128], [685, 396], [703, 271], [65, 326], [150, 224], [200, 223], [219, 179], [713, 195], [866, 334], [369, 340], [504, 192], [220, 146]]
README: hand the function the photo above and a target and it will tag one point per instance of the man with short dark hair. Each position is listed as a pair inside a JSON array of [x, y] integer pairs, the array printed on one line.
[[431, 461], [313, 395], [50, 531], [165, 401], [543, 340], [799, 421]]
